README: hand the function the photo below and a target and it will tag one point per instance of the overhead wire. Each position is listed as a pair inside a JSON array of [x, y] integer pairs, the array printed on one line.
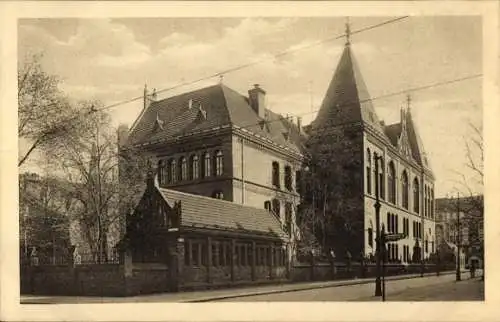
[[93, 109]]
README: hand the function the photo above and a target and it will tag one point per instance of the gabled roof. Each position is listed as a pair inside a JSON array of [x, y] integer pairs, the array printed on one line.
[[222, 105], [204, 212], [347, 99]]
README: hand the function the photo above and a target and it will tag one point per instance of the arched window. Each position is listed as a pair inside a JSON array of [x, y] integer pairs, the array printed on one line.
[[173, 171], [392, 183], [195, 167], [416, 196], [219, 163], [183, 169], [206, 165], [218, 194], [368, 171], [381, 180], [370, 234], [161, 172], [432, 203], [404, 189]]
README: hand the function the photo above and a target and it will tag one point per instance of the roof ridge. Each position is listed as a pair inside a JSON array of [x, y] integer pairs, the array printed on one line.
[[210, 198]]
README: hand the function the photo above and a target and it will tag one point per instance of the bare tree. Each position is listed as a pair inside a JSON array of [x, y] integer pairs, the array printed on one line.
[[90, 161], [44, 113]]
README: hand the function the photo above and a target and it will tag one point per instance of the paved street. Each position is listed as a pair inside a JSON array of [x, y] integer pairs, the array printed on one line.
[[430, 287], [443, 288]]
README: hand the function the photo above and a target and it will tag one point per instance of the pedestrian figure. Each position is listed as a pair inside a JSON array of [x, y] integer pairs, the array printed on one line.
[[34, 257], [472, 269]]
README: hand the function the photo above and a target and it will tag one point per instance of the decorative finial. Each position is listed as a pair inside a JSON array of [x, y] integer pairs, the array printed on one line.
[[221, 78], [347, 32], [408, 101]]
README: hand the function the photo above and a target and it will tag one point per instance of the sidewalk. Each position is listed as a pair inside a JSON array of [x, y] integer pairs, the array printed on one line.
[[211, 295]]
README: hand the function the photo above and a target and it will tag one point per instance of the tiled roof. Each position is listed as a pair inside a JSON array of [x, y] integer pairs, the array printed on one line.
[[223, 106], [205, 212], [347, 99]]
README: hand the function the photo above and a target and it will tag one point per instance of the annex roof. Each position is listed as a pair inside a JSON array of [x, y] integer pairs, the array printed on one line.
[[205, 212]]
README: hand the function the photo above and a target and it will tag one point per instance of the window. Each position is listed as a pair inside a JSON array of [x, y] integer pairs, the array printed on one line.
[[195, 167], [276, 207], [392, 183], [368, 171], [206, 165], [381, 180], [288, 217], [298, 181], [416, 196], [426, 246], [432, 203], [218, 194], [162, 177], [267, 205], [215, 254], [276, 174], [173, 171], [389, 221], [370, 237], [219, 163], [288, 178], [183, 169], [404, 189]]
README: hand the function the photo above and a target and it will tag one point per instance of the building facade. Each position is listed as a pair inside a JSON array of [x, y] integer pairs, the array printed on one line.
[[215, 142], [348, 131]]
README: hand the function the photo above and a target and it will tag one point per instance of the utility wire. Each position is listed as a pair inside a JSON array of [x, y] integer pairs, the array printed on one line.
[[227, 71]]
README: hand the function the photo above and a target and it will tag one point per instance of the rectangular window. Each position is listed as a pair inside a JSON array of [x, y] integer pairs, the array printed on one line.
[[298, 181], [370, 237], [276, 174], [288, 178], [215, 254]]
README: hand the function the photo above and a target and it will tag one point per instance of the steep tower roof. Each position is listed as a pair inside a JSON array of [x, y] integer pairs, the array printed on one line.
[[347, 99]]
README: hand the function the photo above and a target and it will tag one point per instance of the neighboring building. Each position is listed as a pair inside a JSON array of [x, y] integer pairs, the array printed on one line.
[[469, 235], [217, 143], [347, 127]]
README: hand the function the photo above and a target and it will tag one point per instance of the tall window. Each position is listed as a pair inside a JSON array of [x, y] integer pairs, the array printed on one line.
[[183, 168], [381, 180], [161, 172], [368, 171], [173, 171], [298, 181], [276, 207], [288, 178], [404, 189], [195, 167], [288, 217], [432, 203], [416, 196], [219, 163], [276, 174], [370, 237], [392, 183], [206, 165]]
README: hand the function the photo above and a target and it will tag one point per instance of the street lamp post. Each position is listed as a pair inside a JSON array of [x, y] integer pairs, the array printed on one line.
[[378, 284], [458, 277]]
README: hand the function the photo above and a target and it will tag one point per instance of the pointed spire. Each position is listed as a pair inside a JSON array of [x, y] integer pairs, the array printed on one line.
[[408, 102], [347, 33]]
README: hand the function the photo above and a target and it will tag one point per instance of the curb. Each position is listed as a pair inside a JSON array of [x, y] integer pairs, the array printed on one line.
[[306, 288]]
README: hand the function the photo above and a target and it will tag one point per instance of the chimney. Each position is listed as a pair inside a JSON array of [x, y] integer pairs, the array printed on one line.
[[257, 98], [299, 124]]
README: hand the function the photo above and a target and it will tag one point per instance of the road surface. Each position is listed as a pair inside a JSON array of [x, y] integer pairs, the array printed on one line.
[[443, 288]]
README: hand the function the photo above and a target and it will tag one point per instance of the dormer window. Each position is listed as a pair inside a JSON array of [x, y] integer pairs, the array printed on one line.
[[183, 169], [219, 163], [206, 165]]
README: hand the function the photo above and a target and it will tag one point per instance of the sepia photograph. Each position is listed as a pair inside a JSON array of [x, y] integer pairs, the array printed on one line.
[[250, 158]]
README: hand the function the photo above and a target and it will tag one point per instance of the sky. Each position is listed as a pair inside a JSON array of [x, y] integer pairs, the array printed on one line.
[[112, 59]]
